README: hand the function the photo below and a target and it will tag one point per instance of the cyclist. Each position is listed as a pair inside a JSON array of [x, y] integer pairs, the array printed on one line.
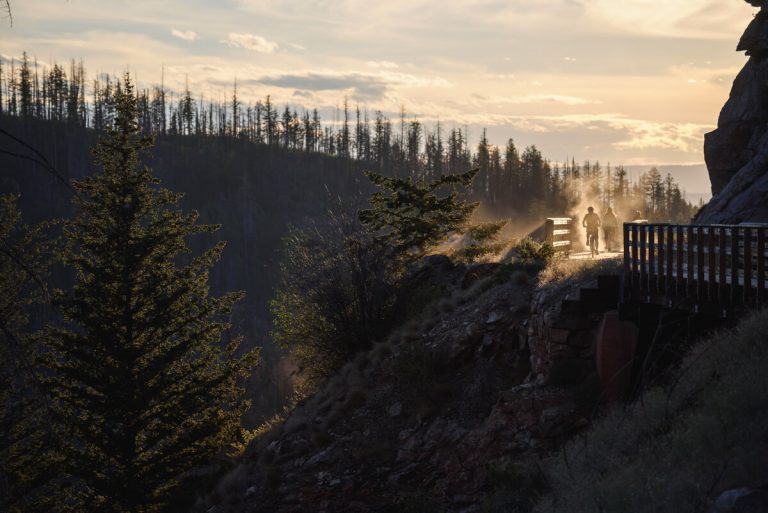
[[592, 223]]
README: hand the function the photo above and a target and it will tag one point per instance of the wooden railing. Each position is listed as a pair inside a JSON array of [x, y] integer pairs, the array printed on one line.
[[558, 232], [715, 264]]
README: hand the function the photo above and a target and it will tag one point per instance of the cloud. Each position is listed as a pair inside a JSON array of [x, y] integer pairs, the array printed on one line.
[[186, 35], [528, 99], [635, 134], [251, 42], [363, 86], [304, 95], [707, 19], [382, 64]]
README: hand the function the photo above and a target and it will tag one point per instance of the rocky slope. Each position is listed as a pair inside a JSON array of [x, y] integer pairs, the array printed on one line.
[[736, 153], [449, 414]]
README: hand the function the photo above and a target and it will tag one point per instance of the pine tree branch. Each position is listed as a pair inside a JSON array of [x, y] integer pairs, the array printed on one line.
[[8, 10], [27, 269]]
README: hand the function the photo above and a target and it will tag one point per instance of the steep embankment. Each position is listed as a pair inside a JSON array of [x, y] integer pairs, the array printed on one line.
[[698, 444], [441, 417], [737, 152]]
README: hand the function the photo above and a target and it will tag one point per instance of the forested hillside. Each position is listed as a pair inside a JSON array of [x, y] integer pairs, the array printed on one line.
[[512, 182], [255, 170]]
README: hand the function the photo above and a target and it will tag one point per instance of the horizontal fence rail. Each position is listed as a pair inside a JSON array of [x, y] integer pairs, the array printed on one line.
[[715, 264], [558, 231]]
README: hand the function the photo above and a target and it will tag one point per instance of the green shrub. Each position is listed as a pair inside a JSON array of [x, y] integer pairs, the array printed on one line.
[[531, 252], [481, 242], [337, 296]]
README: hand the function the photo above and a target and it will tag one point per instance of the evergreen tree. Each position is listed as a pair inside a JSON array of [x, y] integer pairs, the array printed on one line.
[[29, 459], [409, 215], [26, 101], [143, 382], [187, 109], [482, 162], [511, 183]]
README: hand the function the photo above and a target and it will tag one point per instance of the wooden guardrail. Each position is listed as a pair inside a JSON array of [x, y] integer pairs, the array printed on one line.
[[716, 264], [559, 233]]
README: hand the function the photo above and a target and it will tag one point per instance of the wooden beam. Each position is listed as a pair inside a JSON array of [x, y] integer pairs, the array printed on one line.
[[735, 299], [670, 241], [627, 273], [652, 274], [679, 245], [635, 270], [643, 229], [760, 267], [748, 292], [690, 280], [722, 287], [712, 265]]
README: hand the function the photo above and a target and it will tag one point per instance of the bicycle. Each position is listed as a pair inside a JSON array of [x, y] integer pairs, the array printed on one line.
[[592, 238]]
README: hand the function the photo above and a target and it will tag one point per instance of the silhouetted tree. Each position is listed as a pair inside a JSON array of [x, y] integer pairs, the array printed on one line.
[[144, 384]]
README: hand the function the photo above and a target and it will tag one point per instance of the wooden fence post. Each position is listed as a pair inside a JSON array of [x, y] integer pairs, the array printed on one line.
[[627, 272], [722, 287], [643, 229], [670, 273], [712, 271], [760, 267], [735, 266], [679, 246], [748, 266]]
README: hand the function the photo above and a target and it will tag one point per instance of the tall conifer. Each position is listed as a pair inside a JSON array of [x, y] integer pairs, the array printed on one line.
[[144, 383]]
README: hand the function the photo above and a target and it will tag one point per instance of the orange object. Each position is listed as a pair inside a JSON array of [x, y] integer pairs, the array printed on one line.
[[615, 352]]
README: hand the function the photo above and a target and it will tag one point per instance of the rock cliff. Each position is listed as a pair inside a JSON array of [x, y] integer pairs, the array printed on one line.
[[736, 152]]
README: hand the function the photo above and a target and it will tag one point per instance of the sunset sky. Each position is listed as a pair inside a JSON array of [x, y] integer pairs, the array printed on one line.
[[632, 81]]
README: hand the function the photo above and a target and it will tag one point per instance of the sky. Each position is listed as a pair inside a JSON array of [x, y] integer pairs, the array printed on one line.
[[631, 82]]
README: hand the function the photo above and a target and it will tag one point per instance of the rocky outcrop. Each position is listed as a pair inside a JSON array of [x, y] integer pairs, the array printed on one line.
[[441, 417], [562, 330], [736, 152]]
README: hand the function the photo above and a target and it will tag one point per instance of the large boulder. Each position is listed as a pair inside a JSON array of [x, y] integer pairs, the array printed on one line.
[[736, 152]]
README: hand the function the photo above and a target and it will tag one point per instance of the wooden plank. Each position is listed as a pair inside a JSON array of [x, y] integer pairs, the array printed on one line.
[[549, 230], [627, 274], [760, 267], [748, 291], [690, 280], [735, 299], [722, 289], [661, 272], [635, 261], [670, 241], [679, 248], [652, 258], [643, 229], [712, 292], [701, 285]]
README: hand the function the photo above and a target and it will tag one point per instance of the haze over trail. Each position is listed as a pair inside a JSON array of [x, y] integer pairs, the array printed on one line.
[[615, 82]]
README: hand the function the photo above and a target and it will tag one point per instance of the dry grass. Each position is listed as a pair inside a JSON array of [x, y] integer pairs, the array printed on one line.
[[560, 271], [679, 446]]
